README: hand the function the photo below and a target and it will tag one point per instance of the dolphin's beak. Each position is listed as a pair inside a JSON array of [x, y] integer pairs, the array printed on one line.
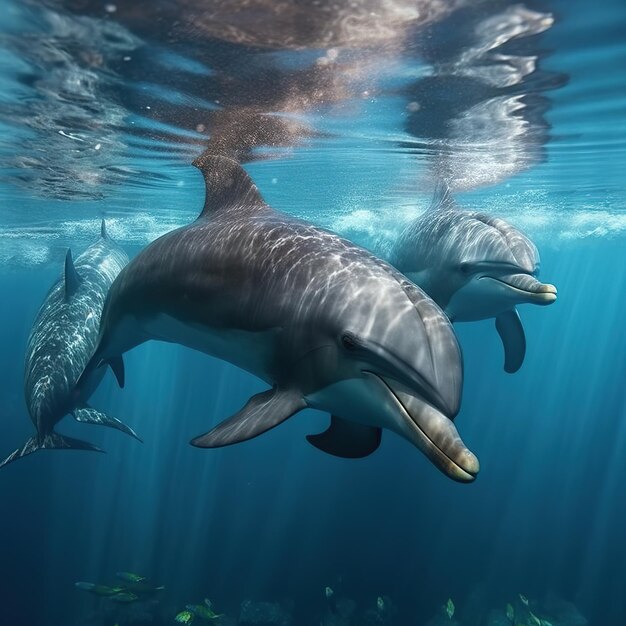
[[527, 288], [432, 432]]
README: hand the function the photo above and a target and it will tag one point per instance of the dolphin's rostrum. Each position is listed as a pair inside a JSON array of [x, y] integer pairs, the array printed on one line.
[[474, 266], [62, 339], [325, 323]]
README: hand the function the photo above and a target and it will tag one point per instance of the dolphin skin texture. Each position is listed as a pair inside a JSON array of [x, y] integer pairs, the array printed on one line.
[[475, 267], [63, 338], [324, 322]]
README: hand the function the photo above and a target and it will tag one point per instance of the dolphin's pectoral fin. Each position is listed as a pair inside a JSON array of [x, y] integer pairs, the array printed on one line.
[[117, 367], [52, 441], [511, 331], [261, 413], [72, 279], [89, 415], [347, 439]]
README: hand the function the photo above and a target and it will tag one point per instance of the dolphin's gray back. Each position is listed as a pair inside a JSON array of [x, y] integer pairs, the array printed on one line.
[[65, 333], [264, 272], [452, 235], [511, 244], [440, 242], [252, 273]]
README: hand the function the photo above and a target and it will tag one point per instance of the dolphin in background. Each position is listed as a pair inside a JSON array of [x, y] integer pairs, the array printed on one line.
[[62, 339], [325, 323], [475, 267]]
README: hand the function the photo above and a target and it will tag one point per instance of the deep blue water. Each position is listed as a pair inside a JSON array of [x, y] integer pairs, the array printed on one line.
[[274, 519]]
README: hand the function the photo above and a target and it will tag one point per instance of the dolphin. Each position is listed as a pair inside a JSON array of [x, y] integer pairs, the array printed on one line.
[[62, 340], [475, 267], [325, 323]]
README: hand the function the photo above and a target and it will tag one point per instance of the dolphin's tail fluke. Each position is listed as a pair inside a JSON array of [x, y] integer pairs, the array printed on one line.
[[89, 415], [53, 441]]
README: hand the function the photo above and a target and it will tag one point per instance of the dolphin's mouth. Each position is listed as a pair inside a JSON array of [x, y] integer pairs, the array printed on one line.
[[527, 288], [433, 433]]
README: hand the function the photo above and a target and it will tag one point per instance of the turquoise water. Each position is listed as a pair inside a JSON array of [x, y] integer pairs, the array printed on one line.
[[520, 108]]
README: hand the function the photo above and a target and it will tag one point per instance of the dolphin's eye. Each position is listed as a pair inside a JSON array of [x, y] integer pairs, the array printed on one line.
[[465, 268], [348, 342]]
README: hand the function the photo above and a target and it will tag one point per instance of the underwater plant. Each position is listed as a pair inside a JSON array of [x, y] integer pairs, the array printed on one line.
[[524, 616], [449, 608]]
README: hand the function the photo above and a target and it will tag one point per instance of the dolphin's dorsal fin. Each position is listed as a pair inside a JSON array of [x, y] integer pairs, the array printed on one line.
[[72, 279], [103, 230], [442, 197], [228, 186]]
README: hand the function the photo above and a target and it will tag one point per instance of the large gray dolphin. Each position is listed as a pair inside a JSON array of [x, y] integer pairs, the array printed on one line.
[[63, 338], [324, 322], [475, 267]]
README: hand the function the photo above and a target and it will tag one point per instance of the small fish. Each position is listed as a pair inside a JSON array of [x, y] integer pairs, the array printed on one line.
[[124, 597], [98, 590], [534, 619], [380, 604], [329, 592], [524, 599], [143, 589], [510, 612], [130, 577], [138, 584], [203, 611], [449, 608], [184, 617]]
